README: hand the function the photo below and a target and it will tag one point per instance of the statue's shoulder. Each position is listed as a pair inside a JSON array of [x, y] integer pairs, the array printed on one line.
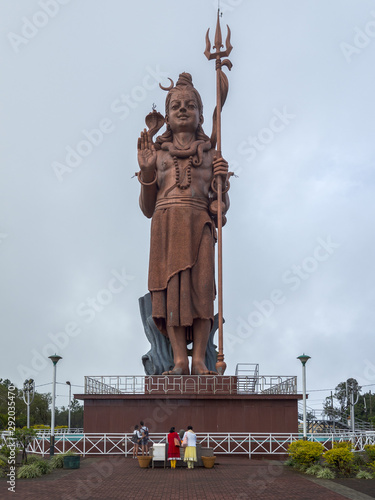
[[162, 154], [210, 154]]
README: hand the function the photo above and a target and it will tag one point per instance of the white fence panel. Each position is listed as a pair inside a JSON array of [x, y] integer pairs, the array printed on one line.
[[222, 443]]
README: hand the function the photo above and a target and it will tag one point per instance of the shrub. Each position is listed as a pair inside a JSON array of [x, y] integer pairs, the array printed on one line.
[[23, 438], [344, 444], [359, 459], [5, 451], [28, 472], [326, 473], [57, 462], [290, 462], [70, 453], [363, 474], [305, 452], [370, 450], [340, 457], [301, 467], [42, 464], [314, 469], [3, 458], [3, 464]]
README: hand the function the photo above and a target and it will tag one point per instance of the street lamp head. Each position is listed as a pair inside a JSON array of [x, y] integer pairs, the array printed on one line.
[[303, 358], [67, 382], [28, 385], [55, 358]]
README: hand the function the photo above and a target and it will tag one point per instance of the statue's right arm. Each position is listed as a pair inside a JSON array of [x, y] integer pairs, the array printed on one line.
[[147, 200], [148, 174]]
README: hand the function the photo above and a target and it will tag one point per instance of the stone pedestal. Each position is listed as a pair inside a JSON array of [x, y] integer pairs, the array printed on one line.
[[266, 413]]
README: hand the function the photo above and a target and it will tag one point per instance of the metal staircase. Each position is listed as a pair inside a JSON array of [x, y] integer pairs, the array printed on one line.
[[248, 377]]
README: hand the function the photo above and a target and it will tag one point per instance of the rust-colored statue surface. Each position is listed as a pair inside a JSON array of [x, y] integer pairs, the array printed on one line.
[[177, 192]]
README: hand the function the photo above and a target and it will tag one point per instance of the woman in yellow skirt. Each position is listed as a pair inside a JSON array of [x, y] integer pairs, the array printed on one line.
[[190, 444]]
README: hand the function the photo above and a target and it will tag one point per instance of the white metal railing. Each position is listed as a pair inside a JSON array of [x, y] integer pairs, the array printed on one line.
[[222, 443], [76, 430], [278, 385], [331, 423], [184, 384], [46, 432]]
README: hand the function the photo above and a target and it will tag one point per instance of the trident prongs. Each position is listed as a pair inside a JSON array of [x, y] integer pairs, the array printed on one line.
[[218, 54]]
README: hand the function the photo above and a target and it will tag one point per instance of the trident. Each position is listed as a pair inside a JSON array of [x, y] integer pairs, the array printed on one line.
[[217, 184]]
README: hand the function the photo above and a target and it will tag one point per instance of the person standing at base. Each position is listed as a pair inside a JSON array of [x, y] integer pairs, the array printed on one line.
[[144, 441], [136, 439], [174, 443], [190, 438]]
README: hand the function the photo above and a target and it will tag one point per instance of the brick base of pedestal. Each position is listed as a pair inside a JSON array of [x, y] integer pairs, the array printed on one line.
[[267, 413]]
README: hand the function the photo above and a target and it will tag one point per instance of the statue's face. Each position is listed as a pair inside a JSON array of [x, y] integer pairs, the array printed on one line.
[[183, 113]]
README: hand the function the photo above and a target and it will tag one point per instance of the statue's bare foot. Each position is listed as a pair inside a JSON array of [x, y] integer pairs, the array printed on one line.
[[178, 370], [199, 368]]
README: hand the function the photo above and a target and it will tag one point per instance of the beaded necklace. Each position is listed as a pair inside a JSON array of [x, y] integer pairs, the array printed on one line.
[[181, 182]]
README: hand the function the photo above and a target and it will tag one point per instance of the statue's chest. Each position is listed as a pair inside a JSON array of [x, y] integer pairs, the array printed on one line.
[[183, 174], [167, 162]]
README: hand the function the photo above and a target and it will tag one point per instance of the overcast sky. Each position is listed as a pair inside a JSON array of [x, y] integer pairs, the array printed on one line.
[[79, 77]]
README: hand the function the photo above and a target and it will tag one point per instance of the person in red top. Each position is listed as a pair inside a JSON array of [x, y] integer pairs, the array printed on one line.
[[173, 449]]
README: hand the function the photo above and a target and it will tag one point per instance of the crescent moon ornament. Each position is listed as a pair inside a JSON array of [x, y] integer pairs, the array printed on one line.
[[167, 89]]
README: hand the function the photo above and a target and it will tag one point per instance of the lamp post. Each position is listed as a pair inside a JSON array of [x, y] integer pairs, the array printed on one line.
[[369, 392], [351, 403], [70, 395], [304, 358], [28, 387], [55, 358]]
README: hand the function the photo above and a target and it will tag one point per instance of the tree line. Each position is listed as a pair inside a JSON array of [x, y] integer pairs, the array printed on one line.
[[40, 409], [337, 406]]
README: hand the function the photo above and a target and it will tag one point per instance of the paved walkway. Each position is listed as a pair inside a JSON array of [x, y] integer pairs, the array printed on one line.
[[233, 478]]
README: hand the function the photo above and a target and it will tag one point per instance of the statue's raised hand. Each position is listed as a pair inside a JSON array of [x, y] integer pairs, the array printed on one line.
[[146, 153]]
